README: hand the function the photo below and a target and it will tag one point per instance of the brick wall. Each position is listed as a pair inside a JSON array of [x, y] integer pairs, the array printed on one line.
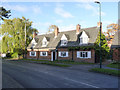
[[32, 57], [116, 55], [38, 56], [65, 58], [91, 60], [48, 57]]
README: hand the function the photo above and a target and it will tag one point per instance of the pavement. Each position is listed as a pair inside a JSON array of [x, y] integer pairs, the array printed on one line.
[[17, 74]]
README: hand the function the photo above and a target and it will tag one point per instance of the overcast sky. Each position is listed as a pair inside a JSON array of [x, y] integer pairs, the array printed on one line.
[[66, 15]]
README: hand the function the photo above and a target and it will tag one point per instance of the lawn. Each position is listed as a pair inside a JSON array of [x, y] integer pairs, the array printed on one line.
[[56, 64], [60, 63], [70, 62], [35, 60], [106, 71], [47, 62], [114, 65]]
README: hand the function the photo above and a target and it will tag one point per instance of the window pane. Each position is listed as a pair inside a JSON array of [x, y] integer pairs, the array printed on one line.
[[32, 53], [86, 54], [81, 54], [81, 40], [63, 42], [63, 54]]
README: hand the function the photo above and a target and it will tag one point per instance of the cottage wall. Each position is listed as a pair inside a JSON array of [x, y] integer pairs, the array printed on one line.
[[74, 53], [116, 55], [48, 57]]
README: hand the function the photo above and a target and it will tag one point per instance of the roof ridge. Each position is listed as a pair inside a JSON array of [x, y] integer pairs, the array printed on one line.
[[66, 31], [90, 27]]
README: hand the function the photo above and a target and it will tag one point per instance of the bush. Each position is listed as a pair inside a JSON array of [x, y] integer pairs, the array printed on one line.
[[9, 55], [15, 55]]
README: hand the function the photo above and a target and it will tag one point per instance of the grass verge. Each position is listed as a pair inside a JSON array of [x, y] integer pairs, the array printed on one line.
[[70, 62], [34, 60], [47, 62], [106, 71], [58, 61], [55, 64], [114, 65]]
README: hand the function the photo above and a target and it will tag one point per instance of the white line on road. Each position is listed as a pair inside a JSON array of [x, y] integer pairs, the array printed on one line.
[[81, 83]]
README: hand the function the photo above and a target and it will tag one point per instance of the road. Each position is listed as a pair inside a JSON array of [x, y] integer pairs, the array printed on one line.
[[19, 74]]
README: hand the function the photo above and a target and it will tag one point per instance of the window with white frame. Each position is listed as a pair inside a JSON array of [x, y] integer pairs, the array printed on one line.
[[81, 40], [84, 38], [44, 42], [83, 54], [32, 53], [43, 53], [33, 43], [63, 54], [64, 42]]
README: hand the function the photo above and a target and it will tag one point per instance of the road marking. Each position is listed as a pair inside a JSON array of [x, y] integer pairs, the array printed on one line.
[[81, 83]]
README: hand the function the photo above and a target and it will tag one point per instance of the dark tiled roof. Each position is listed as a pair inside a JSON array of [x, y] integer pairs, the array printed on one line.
[[73, 38], [116, 40]]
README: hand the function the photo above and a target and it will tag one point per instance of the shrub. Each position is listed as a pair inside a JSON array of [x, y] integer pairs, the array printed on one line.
[[15, 55]]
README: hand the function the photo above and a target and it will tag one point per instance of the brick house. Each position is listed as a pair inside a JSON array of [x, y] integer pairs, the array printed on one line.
[[116, 46], [54, 46]]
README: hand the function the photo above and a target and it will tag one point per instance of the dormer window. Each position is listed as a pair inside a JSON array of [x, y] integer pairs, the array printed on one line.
[[84, 38], [44, 42], [33, 43], [64, 40]]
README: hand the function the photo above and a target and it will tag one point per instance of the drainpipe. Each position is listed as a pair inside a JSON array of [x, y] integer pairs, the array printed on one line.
[[38, 55], [72, 54]]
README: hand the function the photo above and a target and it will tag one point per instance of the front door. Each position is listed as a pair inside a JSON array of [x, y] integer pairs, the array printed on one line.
[[53, 56]]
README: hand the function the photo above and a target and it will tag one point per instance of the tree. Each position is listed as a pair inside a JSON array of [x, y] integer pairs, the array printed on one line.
[[13, 31], [104, 47], [51, 27], [4, 13], [111, 29]]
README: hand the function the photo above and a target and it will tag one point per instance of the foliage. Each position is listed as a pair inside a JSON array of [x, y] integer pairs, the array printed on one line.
[[106, 71], [15, 55], [111, 29], [4, 13], [104, 47], [13, 31], [81, 47], [51, 27]]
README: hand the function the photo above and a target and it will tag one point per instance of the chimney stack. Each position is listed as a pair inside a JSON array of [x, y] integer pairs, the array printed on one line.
[[78, 27], [34, 34], [98, 25], [56, 31]]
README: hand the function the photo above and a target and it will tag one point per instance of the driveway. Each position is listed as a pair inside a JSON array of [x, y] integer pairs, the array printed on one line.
[[30, 75]]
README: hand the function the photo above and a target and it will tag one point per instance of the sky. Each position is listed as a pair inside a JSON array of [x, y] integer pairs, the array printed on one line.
[[66, 15]]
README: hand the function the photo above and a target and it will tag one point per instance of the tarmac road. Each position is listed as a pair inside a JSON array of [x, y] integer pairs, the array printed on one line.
[[20, 74]]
